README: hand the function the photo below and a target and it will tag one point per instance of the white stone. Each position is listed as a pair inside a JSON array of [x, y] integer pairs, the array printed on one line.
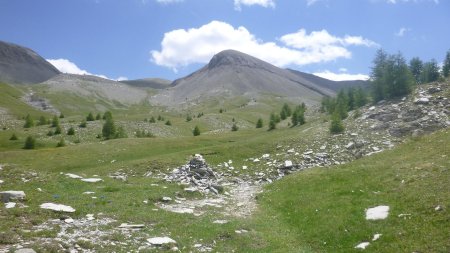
[[288, 164], [69, 220], [377, 213], [88, 193], [10, 205], [244, 167], [256, 160], [131, 226], [220, 222], [1, 181], [191, 189], [91, 180], [376, 237], [90, 217], [166, 199], [73, 176], [160, 240], [362, 245], [9, 195], [290, 151], [57, 207]]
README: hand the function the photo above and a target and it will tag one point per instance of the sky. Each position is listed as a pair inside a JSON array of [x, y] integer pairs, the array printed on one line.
[[132, 39]]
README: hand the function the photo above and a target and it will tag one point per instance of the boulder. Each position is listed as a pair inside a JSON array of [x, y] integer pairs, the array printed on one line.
[[159, 241], [6, 196]]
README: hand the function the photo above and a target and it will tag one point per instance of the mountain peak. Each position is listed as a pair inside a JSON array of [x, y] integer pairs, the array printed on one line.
[[22, 65], [234, 58]]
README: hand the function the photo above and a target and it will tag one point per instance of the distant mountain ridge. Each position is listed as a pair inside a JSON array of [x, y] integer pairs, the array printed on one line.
[[22, 65], [232, 73]]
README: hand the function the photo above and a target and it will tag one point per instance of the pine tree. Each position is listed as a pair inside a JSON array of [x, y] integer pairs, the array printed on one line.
[[188, 118], [430, 72], [98, 117], [107, 115], [109, 128], [50, 133], [55, 121], [285, 111], [30, 143], [120, 133], [446, 67], [336, 124], [168, 123], [196, 131], [152, 120], [90, 117], [29, 122], [259, 123], [42, 121], [71, 131], [272, 122], [234, 127], [360, 97], [58, 130], [61, 116], [378, 75], [416, 67]]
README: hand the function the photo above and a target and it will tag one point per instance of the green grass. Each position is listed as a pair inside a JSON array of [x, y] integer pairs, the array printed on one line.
[[323, 209], [10, 98]]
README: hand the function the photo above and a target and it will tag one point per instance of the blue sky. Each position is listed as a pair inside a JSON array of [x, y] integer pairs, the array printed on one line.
[[171, 38]]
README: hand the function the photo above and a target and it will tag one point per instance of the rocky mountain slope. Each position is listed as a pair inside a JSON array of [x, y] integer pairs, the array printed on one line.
[[94, 87], [232, 73], [329, 84], [22, 65], [154, 83]]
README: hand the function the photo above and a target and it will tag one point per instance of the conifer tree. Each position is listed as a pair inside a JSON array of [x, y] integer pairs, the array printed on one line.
[[259, 123], [61, 143], [430, 72], [71, 131], [336, 124], [13, 137], [90, 117], [58, 130], [109, 128], [234, 127], [446, 67], [29, 122], [30, 143], [55, 121], [42, 121], [196, 131], [416, 67]]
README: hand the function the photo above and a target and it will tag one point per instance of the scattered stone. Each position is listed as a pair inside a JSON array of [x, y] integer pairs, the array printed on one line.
[[422, 101], [438, 208], [377, 213], [6, 196], [362, 245], [25, 250], [131, 226], [10, 205], [191, 189], [90, 217], [166, 199], [220, 221], [376, 237], [158, 241], [88, 193], [91, 180], [288, 164], [69, 220], [1, 181], [73, 176], [350, 145], [57, 207]]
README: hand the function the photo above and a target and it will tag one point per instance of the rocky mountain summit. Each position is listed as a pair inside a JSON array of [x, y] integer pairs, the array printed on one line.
[[22, 65], [232, 73]]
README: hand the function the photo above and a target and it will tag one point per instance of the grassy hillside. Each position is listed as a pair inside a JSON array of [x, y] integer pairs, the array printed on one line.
[[323, 209], [10, 99]]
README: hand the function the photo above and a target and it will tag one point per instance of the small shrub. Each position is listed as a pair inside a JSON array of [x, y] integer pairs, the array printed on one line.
[[168, 123], [55, 121], [13, 137], [152, 120], [61, 143], [196, 131], [42, 121], [259, 123], [58, 130], [90, 117], [30, 143], [71, 131], [50, 133], [121, 133], [336, 124], [83, 124], [98, 117], [61, 116], [188, 118], [234, 128]]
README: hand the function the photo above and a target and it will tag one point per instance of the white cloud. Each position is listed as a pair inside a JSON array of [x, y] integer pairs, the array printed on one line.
[[263, 3], [122, 78], [68, 67], [343, 69], [402, 32], [341, 76], [198, 45]]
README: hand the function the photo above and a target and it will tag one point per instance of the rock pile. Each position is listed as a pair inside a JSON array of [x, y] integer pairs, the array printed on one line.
[[197, 174]]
